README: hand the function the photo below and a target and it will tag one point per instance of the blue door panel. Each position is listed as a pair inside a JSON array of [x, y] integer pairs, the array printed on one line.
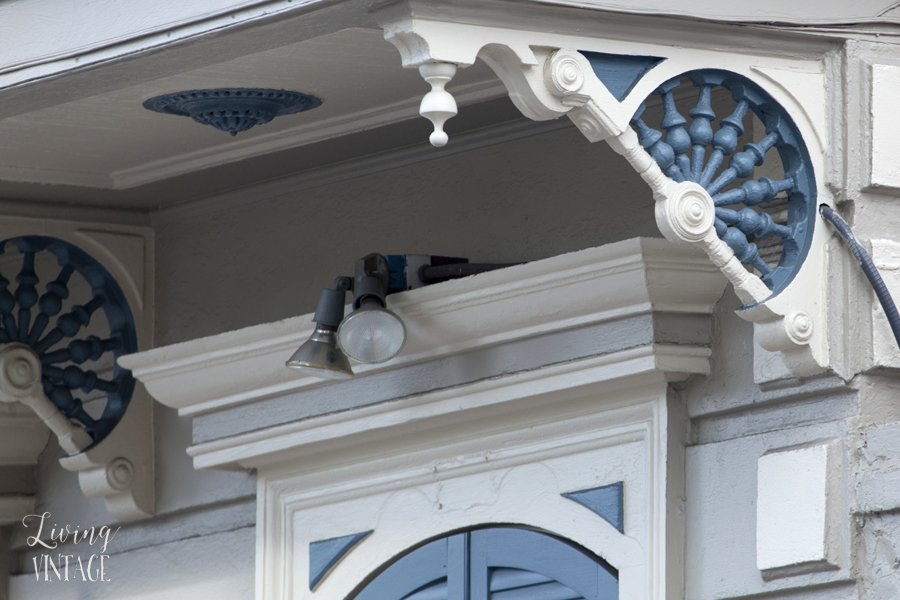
[[516, 584], [418, 569], [499, 563], [546, 555]]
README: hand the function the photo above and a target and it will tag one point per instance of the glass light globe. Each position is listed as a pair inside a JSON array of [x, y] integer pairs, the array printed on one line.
[[372, 334]]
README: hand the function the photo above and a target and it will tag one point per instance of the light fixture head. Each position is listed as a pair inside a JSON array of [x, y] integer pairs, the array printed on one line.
[[320, 356], [372, 334]]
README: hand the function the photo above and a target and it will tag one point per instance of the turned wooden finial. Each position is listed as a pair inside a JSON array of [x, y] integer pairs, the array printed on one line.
[[438, 105]]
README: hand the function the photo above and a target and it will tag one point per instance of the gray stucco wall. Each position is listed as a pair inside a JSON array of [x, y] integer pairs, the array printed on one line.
[[268, 258], [262, 258]]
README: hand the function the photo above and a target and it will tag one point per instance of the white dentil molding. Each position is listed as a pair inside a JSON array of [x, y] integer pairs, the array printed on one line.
[[632, 277]]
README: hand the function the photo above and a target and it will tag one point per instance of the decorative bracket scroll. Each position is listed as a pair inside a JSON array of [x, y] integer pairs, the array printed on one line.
[[707, 192], [62, 326]]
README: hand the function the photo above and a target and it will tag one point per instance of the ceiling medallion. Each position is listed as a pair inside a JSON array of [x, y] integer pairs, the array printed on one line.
[[232, 109]]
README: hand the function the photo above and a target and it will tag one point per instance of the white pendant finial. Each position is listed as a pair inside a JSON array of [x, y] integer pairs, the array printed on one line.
[[438, 105]]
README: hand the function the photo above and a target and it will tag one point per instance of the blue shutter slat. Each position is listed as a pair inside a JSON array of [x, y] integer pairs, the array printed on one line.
[[547, 591], [435, 591], [510, 579], [517, 584]]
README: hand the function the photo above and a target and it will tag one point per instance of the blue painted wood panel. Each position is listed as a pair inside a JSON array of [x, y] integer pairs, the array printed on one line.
[[606, 501], [500, 563], [620, 72], [324, 554], [417, 571]]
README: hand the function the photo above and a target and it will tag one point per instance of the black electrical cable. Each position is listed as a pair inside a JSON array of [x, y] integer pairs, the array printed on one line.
[[868, 267], [438, 273]]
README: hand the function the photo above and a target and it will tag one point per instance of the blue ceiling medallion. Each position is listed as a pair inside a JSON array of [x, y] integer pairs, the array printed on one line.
[[232, 109]]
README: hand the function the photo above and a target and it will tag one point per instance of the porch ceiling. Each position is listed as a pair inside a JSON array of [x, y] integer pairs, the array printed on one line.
[[73, 129], [106, 149]]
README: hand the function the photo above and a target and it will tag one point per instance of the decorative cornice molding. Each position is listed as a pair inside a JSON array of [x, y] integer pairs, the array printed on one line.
[[309, 133], [360, 167], [627, 278], [401, 423]]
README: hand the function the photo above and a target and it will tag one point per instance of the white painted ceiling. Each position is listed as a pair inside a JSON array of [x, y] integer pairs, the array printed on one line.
[[109, 141]]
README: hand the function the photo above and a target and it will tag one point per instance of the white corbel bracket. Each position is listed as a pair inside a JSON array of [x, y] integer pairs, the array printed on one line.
[[103, 472], [119, 468], [546, 79]]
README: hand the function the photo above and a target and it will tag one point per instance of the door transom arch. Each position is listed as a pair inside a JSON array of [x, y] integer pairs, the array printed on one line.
[[495, 563]]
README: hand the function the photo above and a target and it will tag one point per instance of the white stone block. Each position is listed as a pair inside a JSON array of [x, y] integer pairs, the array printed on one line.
[[792, 511], [886, 256], [885, 126]]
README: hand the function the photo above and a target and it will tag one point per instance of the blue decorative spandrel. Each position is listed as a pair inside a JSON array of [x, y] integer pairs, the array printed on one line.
[[748, 214], [64, 332], [620, 72], [606, 501], [324, 554]]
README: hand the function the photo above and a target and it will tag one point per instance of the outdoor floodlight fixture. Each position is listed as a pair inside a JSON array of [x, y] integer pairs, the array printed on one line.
[[319, 355], [371, 334]]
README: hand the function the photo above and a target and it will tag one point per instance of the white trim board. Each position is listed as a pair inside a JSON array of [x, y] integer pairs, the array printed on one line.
[[433, 417], [618, 280]]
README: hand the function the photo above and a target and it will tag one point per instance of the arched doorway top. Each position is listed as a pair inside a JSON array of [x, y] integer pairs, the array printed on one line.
[[494, 563]]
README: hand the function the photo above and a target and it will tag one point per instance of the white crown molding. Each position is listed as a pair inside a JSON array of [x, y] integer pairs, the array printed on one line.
[[236, 150], [360, 167], [180, 164], [401, 423], [627, 278]]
